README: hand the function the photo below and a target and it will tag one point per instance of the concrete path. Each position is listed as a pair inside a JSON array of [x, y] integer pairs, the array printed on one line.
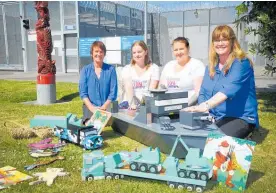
[[263, 83], [60, 77]]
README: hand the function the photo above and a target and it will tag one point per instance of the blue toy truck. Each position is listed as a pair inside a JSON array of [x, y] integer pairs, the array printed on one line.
[[75, 132], [71, 129], [192, 174]]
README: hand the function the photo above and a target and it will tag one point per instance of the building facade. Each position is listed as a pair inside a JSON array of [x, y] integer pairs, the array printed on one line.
[[75, 22]]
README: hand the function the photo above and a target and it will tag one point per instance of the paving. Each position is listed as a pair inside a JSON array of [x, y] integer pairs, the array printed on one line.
[[263, 83], [60, 77]]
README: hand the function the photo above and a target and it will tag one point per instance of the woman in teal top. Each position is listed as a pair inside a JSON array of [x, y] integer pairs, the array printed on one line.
[[98, 82], [228, 87]]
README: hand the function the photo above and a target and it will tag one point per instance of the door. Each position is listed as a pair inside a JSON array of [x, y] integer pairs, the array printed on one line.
[[11, 56], [71, 52]]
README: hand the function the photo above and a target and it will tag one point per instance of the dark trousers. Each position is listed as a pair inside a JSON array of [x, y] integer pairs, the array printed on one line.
[[87, 114], [235, 127]]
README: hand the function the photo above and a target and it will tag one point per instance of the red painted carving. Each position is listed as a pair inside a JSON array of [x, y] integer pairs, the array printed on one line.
[[44, 39]]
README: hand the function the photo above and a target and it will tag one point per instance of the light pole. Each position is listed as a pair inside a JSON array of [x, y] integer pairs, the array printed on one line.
[[145, 21]]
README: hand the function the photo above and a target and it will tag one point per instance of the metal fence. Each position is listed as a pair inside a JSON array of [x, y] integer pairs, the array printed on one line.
[[196, 25], [165, 22], [73, 20]]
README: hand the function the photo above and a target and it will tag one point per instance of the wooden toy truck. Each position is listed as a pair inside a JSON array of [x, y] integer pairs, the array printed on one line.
[[192, 174]]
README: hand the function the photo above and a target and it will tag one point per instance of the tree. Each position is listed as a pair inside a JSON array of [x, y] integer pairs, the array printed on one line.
[[264, 14]]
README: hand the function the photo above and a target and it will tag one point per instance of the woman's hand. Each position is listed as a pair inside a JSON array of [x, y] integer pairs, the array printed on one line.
[[132, 107], [93, 109], [203, 107], [103, 107]]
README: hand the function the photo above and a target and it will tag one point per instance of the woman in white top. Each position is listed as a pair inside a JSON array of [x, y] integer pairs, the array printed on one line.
[[140, 75], [185, 73]]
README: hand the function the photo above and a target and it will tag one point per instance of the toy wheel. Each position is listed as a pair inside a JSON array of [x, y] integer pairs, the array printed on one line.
[[193, 175], [199, 189], [122, 176], [143, 168], [153, 169], [180, 187], [171, 185], [189, 188], [116, 176], [90, 178], [182, 173], [203, 176], [134, 166], [108, 177]]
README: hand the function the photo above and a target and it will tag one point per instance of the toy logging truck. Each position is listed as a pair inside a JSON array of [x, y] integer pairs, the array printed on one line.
[[70, 129], [191, 174], [75, 132]]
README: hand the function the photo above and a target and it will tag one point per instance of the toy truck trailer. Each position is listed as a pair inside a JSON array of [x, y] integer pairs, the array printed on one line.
[[97, 166], [146, 164]]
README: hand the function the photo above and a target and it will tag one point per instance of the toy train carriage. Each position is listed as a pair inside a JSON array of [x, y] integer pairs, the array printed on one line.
[[85, 136]]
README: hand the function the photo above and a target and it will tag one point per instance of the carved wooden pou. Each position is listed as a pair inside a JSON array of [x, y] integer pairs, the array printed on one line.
[[44, 39]]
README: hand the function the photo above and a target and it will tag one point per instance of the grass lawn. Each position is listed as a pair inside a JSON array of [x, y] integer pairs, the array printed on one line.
[[13, 152]]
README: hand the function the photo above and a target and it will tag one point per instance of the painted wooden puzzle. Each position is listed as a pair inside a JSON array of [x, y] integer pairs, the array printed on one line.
[[231, 158], [99, 119], [10, 176]]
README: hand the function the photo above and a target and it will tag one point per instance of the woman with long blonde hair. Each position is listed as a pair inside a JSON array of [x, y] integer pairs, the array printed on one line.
[[139, 76], [228, 88]]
